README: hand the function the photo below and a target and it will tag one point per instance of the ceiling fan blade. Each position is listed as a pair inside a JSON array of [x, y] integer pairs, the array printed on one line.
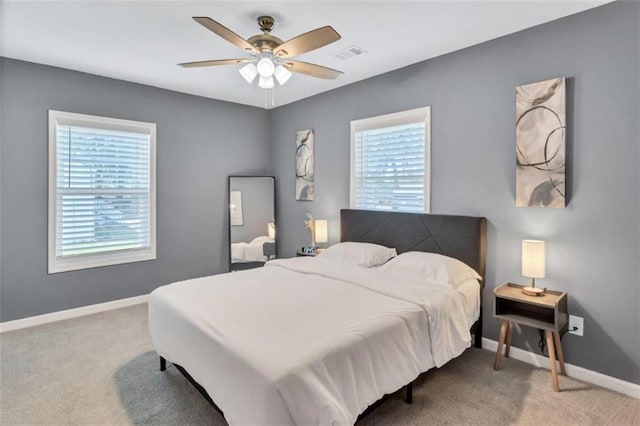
[[225, 33], [312, 69], [215, 62], [307, 42]]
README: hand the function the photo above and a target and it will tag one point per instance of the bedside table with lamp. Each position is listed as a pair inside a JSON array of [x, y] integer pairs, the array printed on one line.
[[319, 234], [533, 307]]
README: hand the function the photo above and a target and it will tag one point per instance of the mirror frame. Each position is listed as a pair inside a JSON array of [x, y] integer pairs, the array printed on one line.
[[256, 264]]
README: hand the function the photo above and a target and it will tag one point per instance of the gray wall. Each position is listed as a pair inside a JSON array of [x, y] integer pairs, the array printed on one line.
[[199, 142], [258, 207], [592, 245]]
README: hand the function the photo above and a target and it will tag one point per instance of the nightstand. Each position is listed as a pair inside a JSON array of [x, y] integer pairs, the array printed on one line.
[[548, 313]]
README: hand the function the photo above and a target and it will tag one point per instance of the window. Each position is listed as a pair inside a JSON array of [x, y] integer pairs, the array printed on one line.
[[390, 157], [101, 191]]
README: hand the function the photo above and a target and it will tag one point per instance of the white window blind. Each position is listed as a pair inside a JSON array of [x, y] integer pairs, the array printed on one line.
[[102, 198], [389, 162]]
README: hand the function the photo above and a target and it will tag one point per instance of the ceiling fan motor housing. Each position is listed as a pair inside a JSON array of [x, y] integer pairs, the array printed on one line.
[[265, 42]]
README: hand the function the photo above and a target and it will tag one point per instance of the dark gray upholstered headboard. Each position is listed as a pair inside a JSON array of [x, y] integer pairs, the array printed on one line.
[[461, 237]]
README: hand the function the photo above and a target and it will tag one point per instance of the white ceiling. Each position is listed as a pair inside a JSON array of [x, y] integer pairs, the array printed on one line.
[[142, 41]]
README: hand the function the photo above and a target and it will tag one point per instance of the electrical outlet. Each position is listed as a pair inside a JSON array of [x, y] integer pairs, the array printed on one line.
[[576, 322]]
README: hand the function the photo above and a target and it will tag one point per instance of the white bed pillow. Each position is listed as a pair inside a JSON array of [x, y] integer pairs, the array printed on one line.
[[363, 254], [261, 240], [416, 265]]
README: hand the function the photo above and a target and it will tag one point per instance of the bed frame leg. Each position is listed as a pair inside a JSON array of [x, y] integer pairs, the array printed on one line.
[[409, 398], [477, 339], [477, 336], [163, 364]]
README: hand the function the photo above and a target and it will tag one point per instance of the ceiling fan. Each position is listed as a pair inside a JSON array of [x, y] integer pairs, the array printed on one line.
[[271, 55]]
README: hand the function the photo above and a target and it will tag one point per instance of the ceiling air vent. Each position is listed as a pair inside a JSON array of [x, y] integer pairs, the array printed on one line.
[[349, 52]]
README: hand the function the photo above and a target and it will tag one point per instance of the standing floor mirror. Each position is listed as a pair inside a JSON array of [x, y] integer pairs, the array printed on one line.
[[252, 221]]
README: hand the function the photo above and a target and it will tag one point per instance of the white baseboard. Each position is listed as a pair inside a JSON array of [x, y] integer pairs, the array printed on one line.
[[574, 371], [70, 313]]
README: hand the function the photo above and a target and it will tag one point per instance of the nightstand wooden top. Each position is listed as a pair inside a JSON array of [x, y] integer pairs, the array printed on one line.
[[514, 292]]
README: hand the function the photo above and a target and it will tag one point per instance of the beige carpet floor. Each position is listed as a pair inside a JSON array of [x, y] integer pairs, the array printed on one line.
[[101, 369]]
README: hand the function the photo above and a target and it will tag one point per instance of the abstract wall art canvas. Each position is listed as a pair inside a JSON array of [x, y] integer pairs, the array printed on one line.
[[540, 144], [305, 179]]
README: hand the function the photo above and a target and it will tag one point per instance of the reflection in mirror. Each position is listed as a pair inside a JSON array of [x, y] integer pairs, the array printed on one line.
[[252, 225]]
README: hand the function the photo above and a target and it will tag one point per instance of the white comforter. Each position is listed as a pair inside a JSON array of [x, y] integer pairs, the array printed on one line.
[[306, 340]]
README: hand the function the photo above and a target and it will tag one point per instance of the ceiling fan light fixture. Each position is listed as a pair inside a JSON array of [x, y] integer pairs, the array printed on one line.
[[249, 72], [266, 82], [265, 67], [282, 74], [271, 57]]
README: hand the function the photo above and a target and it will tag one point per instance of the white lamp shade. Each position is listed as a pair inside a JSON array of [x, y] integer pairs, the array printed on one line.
[[265, 67], [266, 82], [249, 72], [321, 231], [271, 230], [282, 74], [533, 259]]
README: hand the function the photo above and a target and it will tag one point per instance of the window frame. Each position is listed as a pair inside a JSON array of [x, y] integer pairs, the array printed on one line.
[[70, 263], [389, 120]]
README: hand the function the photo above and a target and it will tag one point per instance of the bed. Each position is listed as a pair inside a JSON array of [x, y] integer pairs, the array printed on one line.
[[311, 341], [257, 250]]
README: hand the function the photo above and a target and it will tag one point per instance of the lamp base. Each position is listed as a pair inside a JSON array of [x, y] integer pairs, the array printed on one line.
[[533, 291]]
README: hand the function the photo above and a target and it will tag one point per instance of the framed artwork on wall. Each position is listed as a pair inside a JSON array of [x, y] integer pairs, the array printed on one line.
[[540, 144], [305, 173]]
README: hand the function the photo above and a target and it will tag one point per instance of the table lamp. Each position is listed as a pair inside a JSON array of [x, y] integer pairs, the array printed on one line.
[[271, 230], [533, 265], [321, 231]]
